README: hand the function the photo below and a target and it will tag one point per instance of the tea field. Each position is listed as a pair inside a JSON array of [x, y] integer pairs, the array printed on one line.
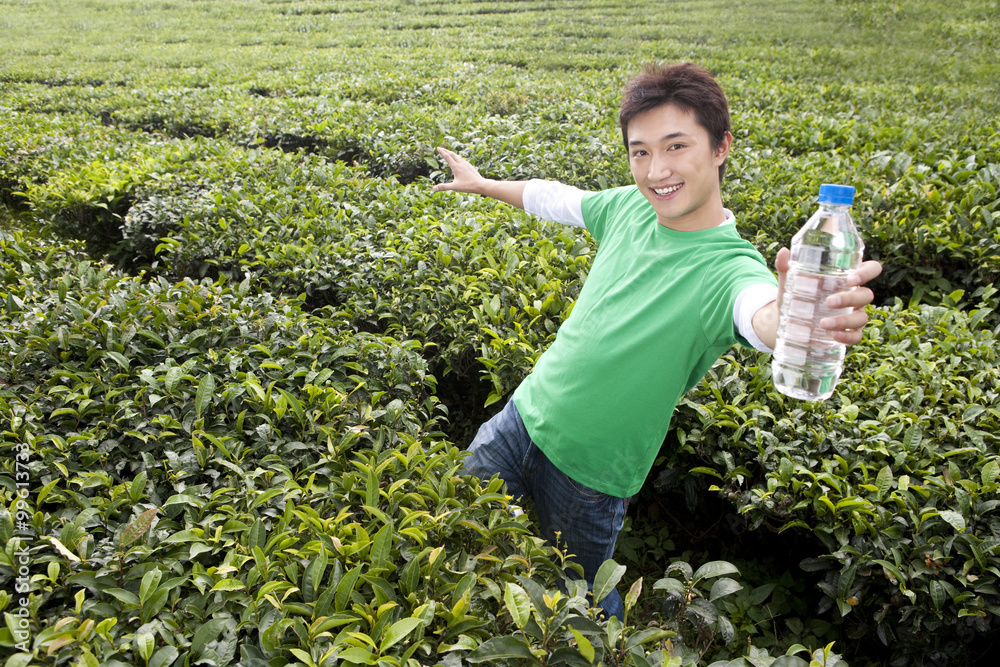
[[243, 343]]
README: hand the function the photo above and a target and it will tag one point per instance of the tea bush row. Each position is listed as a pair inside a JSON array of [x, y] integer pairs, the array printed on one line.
[[933, 202], [217, 477], [897, 477]]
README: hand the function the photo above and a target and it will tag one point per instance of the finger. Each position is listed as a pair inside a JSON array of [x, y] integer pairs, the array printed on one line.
[[781, 265], [781, 260], [851, 337], [451, 157], [856, 298], [868, 270], [854, 320]]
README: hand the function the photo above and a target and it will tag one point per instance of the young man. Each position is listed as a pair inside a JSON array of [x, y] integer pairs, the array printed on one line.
[[672, 287]]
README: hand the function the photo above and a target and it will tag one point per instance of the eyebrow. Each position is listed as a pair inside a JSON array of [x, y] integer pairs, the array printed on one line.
[[672, 135]]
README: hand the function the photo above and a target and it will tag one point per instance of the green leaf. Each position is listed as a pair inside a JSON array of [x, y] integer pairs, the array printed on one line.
[[230, 584], [883, 481], [647, 636], [608, 576], [103, 628], [853, 503], [119, 358], [358, 655], [150, 581], [715, 568], [397, 631], [381, 546], [315, 574], [125, 596], [723, 587], [584, 646], [638, 660], [893, 570], [846, 580], [674, 587], [939, 595], [257, 537], [614, 630], [173, 377], [294, 404], [205, 394], [86, 659], [144, 643], [990, 472], [183, 537], [972, 412], [264, 497], [303, 656], [345, 587], [322, 605], [955, 519], [708, 471], [912, 438], [137, 487], [371, 489], [634, 591], [156, 602], [518, 604], [207, 632], [463, 643], [501, 648]]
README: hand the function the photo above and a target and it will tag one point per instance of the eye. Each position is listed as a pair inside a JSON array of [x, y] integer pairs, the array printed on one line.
[[675, 147], [639, 152]]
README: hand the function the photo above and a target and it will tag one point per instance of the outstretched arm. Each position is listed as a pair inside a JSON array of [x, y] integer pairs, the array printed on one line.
[[846, 328], [468, 179]]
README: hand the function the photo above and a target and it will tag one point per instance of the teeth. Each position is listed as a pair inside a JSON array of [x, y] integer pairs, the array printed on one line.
[[666, 191]]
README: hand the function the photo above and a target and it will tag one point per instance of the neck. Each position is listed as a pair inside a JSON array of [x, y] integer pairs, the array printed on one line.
[[710, 215]]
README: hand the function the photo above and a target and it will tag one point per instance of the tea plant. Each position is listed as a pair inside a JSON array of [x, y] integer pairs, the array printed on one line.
[[243, 341], [898, 490]]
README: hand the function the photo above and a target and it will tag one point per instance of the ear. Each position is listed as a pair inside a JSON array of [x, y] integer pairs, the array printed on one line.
[[722, 151]]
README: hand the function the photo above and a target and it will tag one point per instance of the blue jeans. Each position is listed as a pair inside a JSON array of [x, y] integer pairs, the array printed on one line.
[[587, 521]]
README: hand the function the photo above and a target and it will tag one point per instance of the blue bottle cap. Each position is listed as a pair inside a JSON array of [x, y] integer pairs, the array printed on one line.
[[839, 195]]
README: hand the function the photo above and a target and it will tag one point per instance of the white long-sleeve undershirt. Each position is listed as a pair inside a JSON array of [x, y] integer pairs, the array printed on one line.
[[558, 202]]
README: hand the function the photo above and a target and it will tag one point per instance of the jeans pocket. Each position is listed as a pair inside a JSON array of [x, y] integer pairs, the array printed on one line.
[[584, 490]]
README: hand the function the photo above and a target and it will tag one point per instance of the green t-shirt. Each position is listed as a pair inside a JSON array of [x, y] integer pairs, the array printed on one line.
[[654, 314]]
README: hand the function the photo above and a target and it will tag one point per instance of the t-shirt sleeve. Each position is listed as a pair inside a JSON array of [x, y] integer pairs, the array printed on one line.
[[749, 301], [744, 284], [599, 209], [554, 201]]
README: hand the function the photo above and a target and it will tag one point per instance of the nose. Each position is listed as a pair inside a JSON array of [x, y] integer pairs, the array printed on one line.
[[659, 166]]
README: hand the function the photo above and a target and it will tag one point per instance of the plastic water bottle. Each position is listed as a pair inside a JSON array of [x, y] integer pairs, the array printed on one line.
[[807, 360]]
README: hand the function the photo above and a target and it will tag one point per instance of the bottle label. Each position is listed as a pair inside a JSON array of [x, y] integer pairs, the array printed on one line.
[[802, 310], [796, 332], [811, 256], [819, 238]]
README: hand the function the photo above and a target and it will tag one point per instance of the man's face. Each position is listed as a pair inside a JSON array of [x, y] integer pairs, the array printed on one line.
[[676, 168]]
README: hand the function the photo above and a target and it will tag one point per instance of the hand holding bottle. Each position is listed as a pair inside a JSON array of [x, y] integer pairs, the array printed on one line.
[[820, 309]]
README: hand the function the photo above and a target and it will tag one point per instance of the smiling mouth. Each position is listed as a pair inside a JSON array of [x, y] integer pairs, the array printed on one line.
[[668, 190]]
